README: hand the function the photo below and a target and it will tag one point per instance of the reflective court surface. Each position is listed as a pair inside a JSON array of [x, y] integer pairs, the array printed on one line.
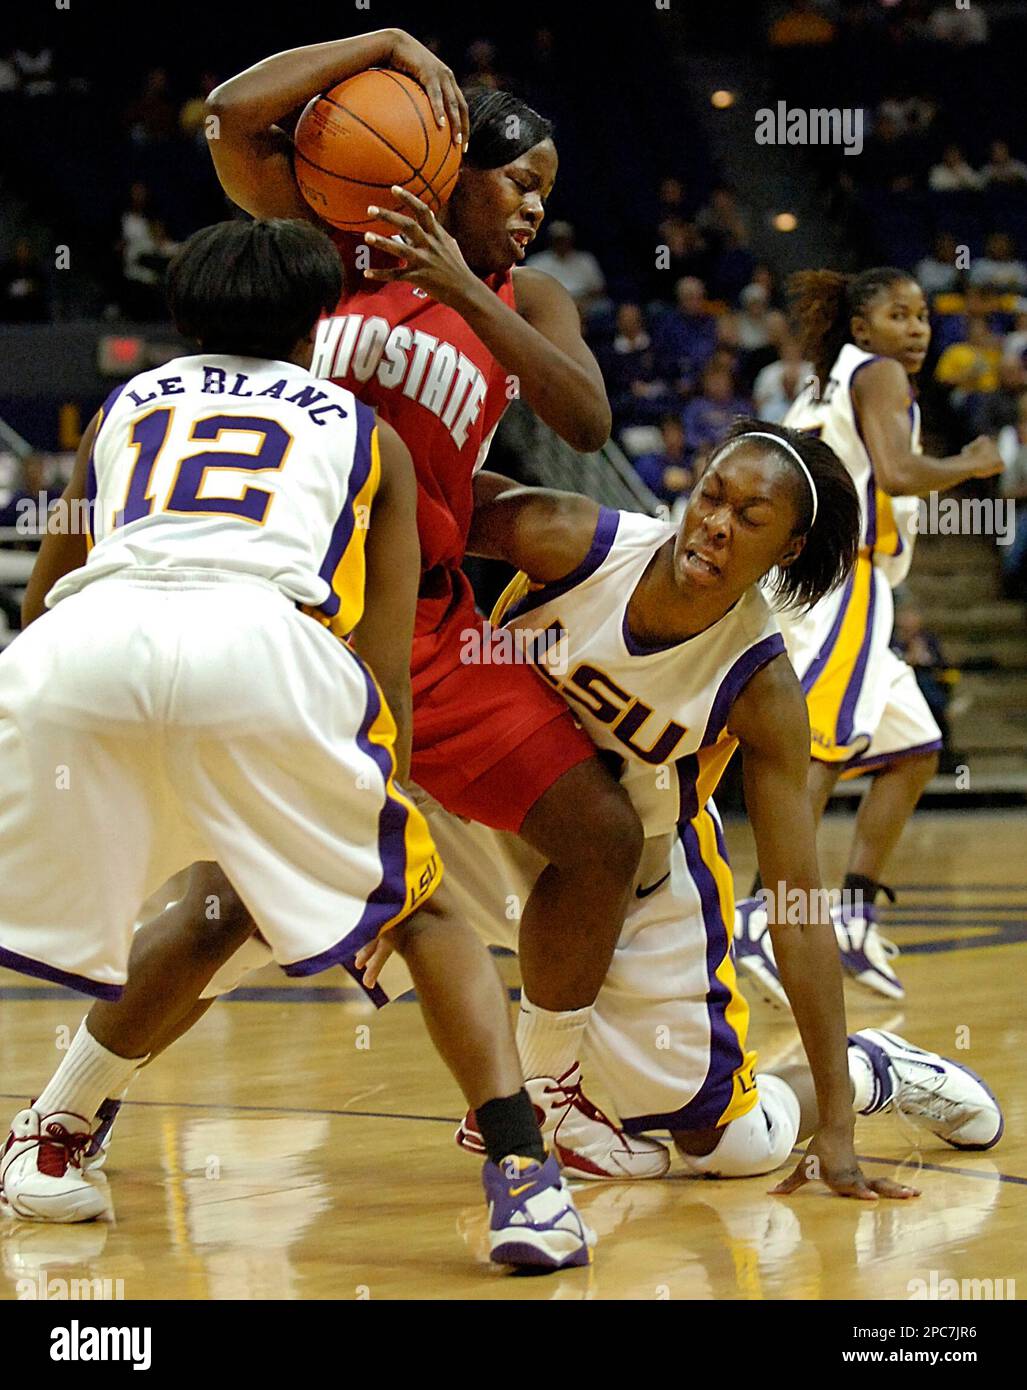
[[297, 1144]]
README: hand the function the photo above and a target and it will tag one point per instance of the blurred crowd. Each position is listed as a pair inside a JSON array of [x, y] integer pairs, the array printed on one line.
[[695, 334], [152, 187]]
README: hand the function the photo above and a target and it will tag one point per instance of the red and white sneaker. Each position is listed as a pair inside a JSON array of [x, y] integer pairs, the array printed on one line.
[[587, 1143], [41, 1177]]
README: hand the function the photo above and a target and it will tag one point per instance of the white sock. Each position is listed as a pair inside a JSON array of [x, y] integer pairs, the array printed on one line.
[[87, 1075], [549, 1043], [122, 1091], [861, 1074]]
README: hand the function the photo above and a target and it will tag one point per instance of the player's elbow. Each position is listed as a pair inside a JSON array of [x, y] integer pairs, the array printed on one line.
[[894, 476], [591, 428], [223, 114]]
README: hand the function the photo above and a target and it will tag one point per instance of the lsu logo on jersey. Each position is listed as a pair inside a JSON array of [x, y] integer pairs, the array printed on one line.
[[626, 715]]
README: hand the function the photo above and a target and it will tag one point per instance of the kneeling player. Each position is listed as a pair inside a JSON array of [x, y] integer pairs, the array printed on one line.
[[670, 656], [177, 705]]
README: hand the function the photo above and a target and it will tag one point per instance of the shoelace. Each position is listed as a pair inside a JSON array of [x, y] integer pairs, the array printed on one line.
[[58, 1149], [577, 1100], [925, 1097]]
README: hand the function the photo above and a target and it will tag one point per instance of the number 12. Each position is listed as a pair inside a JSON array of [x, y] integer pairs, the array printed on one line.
[[149, 436]]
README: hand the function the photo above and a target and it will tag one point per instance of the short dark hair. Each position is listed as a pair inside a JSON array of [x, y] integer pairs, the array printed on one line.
[[832, 541], [253, 288], [502, 128]]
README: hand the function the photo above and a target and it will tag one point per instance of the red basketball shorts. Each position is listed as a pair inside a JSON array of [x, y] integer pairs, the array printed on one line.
[[489, 739]]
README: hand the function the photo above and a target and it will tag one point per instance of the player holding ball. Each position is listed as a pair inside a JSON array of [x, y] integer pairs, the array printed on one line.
[[438, 333]]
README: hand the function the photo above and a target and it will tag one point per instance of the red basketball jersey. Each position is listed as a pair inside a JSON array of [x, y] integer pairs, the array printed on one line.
[[435, 382]]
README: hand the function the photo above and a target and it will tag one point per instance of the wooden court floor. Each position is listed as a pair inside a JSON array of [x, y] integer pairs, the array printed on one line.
[[299, 1145]]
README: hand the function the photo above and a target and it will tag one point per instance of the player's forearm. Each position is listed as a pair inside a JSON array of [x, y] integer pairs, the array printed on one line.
[[915, 475], [566, 395], [807, 957], [399, 698], [263, 95]]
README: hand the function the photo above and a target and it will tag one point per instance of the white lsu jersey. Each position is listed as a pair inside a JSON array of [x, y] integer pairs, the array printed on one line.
[[662, 710], [235, 464], [888, 523]]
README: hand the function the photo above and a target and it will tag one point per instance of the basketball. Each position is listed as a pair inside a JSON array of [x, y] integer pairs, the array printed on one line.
[[410, 578], [358, 139]]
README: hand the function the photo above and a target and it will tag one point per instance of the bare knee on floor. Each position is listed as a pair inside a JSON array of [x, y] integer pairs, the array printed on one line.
[[697, 1143]]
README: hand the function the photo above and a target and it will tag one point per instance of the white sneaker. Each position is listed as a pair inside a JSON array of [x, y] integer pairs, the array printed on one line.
[[587, 1143], [754, 953], [933, 1091], [866, 955], [41, 1177]]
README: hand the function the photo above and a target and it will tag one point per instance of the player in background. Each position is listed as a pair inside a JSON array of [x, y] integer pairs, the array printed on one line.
[[867, 336], [177, 705], [461, 322]]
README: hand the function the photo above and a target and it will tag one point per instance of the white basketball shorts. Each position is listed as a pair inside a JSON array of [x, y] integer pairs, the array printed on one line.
[[157, 718], [865, 707]]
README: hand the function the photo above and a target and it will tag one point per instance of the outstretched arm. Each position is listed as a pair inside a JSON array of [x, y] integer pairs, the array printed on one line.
[[253, 155], [769, 719], [881, 396], [545, 533]]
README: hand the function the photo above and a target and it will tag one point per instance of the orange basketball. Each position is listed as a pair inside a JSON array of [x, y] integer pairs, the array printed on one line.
[[353, 142]]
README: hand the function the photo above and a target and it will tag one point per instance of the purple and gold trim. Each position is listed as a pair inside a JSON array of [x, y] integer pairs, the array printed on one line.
[[871, 497], [687, 769], [860, 765], [706, 1108], [751, 661], [636, 647], [812, 673], [847, 712], [91, 483], [389, 897], [602, 541], [342, 532], [39, 970]]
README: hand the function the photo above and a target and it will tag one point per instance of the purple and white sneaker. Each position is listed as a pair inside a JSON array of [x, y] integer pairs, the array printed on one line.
[[933, 1091], [533, 1222], [754, 953], [866, 955]]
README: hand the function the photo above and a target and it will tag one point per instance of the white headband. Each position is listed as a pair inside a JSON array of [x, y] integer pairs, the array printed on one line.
[[776, 439]]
